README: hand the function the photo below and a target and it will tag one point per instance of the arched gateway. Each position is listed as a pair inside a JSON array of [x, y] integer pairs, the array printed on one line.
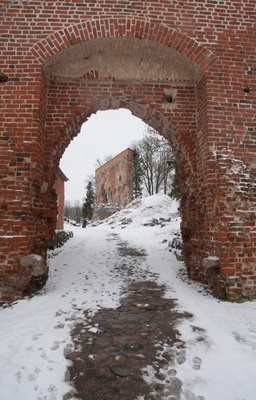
[[185, 68]]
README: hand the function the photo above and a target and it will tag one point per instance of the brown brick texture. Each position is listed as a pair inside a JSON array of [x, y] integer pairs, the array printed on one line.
[[186, 68], [114, 180]]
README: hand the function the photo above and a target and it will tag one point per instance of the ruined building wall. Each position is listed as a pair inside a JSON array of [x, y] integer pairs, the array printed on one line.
[[114, 180]]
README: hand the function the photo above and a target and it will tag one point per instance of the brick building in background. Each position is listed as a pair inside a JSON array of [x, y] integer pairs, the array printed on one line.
[[114, 180], [59, 186]]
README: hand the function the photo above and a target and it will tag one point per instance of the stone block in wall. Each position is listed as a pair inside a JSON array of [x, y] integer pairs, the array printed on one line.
[[60, 237], [34, 265], [211, 262], [33, 275]]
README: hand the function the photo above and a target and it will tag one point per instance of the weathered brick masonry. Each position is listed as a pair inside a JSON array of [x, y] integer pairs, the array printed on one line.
[[187, 68], [114, 180]]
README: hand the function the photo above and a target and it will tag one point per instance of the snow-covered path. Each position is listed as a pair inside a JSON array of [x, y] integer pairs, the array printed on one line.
[[35, 332], [220, 358]]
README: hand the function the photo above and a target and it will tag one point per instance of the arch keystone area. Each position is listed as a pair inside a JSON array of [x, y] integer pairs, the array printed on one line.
[[182, 71]]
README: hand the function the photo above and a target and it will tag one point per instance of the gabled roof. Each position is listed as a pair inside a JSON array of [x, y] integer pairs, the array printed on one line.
[[61, 175]]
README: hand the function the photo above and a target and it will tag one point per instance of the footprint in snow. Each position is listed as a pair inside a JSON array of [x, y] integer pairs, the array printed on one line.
[[197, 362], [53, 392], [43, 355], [33, 377], [36, 337], [59, 326], [55, 346], [58, 314], [19, 376]]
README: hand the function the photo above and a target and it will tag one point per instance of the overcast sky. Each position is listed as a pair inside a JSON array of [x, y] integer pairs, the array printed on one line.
[[105, 133]]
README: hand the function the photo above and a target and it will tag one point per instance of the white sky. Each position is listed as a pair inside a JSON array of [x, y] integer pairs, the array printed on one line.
[[105, 133]]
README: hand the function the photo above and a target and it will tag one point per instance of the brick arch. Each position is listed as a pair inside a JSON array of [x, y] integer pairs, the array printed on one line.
[[104, 27], [152, 117], [211, 126], [65, 120], [172, 121]]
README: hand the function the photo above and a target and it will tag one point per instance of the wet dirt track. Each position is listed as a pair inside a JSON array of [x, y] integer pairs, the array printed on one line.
[[114, 348]]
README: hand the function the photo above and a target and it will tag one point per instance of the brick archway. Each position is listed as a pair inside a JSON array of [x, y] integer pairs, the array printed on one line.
[[140, 28], [167, 73]]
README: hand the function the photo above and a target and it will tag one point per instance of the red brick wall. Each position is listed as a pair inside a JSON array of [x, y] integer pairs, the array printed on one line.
[[210, 46], [59, 187], [114, 180]]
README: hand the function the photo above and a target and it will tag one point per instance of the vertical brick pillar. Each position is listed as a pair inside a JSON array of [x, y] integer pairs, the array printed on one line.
[[219, 243], [24, 210]]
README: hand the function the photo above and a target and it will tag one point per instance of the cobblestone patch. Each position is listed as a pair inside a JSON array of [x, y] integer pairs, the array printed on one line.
[[122, 353]]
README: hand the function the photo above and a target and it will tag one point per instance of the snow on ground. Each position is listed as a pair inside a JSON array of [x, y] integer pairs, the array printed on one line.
[[220, 354]]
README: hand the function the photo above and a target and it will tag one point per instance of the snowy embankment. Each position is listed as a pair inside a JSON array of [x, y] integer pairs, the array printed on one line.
[[220, 359]]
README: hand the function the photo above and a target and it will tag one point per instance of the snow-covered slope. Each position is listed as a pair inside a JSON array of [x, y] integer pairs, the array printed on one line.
[[35, 332]]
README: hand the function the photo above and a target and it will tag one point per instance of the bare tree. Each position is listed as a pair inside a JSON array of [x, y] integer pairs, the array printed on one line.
[[99, 162], [73, 211], [156, 161], [68, 210], [77, 211]]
